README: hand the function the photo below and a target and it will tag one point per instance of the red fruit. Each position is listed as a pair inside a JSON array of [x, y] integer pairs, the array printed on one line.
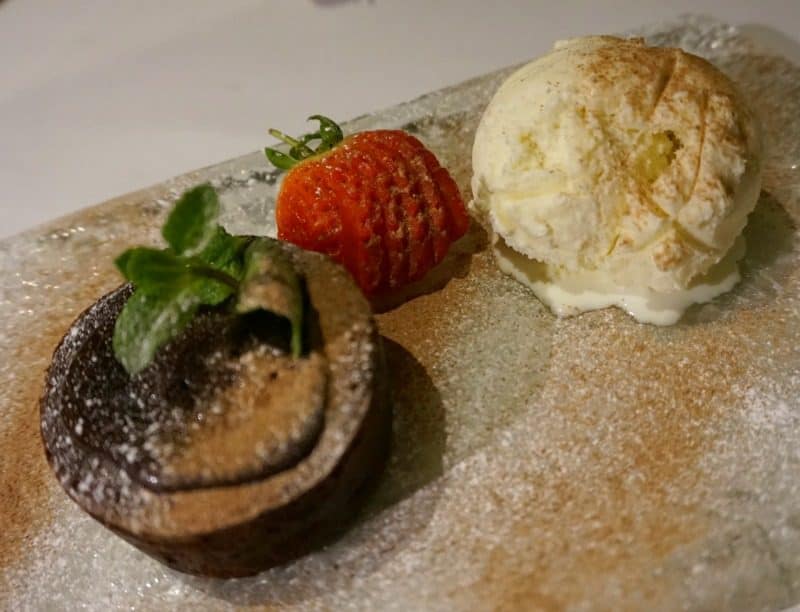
[[377, 202]]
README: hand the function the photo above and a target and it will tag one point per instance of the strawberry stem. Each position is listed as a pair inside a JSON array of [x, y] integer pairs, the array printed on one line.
[[296, 144], [329, 135], [279, 160], [329, 131]]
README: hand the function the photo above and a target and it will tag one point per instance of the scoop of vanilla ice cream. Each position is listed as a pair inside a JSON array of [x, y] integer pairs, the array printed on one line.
[[606, 157]]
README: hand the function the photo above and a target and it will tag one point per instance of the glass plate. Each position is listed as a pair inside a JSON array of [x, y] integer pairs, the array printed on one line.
[[537, 463]]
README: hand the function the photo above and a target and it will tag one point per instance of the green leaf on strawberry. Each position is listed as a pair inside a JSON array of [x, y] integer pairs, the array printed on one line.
[[329, 135]]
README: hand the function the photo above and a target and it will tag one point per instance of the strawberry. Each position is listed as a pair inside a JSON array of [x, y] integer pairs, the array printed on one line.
[[377, 202]]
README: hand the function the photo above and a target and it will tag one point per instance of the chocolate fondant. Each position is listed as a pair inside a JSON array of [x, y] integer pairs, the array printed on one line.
[[225, 456]]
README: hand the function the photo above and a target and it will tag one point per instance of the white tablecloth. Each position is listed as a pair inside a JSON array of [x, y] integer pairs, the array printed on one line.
[[98, 98]]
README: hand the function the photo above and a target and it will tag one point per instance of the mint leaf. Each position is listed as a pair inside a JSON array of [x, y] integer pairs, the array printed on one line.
[[153, 269], [223, 252], [122, 262], [269, 282], [149, 321], [193, 220], [203, 266]]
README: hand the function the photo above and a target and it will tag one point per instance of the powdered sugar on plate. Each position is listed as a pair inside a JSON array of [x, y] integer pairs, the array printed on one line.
[[537, 463]]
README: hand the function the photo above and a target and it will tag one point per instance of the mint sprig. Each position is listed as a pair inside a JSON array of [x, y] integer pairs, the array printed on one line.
[[203, 266]]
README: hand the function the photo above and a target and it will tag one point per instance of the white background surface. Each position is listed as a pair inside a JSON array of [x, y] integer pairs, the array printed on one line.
[[101, 97]]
